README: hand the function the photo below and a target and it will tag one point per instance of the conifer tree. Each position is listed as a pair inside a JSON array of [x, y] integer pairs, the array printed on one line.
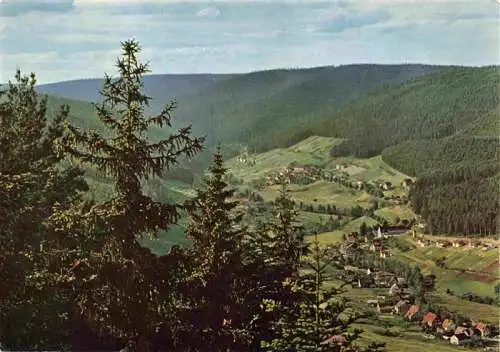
[[213, 310], [119, 286], [272, 258], [32, 308], [287, 232]]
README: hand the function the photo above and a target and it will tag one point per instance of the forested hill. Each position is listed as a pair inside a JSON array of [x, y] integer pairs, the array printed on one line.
[[273, 108], [238, 108], [434, 106], [160, 87]]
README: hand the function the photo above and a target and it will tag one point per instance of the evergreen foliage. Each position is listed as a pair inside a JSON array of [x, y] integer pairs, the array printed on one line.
[[31, 183], [120, 287], [214, 288]]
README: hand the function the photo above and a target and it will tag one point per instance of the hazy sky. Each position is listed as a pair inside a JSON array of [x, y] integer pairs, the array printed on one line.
[[70, 39]]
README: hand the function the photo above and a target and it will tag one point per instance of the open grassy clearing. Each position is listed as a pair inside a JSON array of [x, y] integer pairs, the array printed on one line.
[[316, 145], [472, 310], [320, 192], [455, 278], [306, 217], [313, 150], [393, 212], [407, 341], [328, 237]]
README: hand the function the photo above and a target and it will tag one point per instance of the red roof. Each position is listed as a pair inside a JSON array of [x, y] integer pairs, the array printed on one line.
[[335, 339], [481, 326], [412, 311], [429, 318]]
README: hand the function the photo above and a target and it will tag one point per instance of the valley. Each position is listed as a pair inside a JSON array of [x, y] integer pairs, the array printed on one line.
[[384, 205]]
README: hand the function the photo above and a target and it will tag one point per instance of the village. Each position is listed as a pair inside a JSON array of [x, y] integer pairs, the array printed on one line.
[[383, 283], [402, 297]]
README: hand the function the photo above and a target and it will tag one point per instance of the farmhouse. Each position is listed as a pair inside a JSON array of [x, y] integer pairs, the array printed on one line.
[[482, 328], [448, 325], [394, 290], [412, 312], [335, 340], [406, 183], [459, 339], [430, 319], [382, 278]]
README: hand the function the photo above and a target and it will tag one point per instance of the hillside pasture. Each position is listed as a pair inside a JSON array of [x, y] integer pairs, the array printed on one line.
[[311, 151], [393, 212], [321, 192]]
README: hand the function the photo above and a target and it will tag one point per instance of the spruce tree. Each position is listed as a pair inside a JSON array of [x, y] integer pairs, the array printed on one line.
[[215, 286], [121, 287], [32, 180], [272, 259]]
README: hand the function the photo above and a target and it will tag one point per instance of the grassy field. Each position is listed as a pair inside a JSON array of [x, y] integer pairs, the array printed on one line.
[[473, 310], [313, 150], [408, 340], [393, 212], [328, 237], [321, 192]]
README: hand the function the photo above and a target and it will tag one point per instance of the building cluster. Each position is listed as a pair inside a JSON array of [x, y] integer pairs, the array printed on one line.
[[355, 241], [445, 328], [455, 243]]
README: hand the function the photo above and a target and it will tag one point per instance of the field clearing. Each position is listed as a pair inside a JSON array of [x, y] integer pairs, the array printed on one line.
[[408, 342], [473, 310], [306, 217], [320, 192], [463, 258], [328, 237], [493, 239], [391, 213], [457, 260], [376, 169], [313, 150], [316, 145]]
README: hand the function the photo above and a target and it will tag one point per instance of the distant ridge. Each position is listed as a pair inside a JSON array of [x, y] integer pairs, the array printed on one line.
[[168, 85]]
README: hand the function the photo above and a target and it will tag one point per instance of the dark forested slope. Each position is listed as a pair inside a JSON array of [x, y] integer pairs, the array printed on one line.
[[429, 107], [274, 108], [160, 87]]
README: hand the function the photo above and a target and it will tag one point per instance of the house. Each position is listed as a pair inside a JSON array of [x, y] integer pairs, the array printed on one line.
[[401, 307], [412, 312], [430, 319], [463, 330], [406, 183], [459, 339], [382, 279], [337, 340], [448, 325], [394, 290], [482, 328]]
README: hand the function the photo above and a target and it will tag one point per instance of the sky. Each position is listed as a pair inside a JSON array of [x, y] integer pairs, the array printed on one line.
[[72, 39]]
